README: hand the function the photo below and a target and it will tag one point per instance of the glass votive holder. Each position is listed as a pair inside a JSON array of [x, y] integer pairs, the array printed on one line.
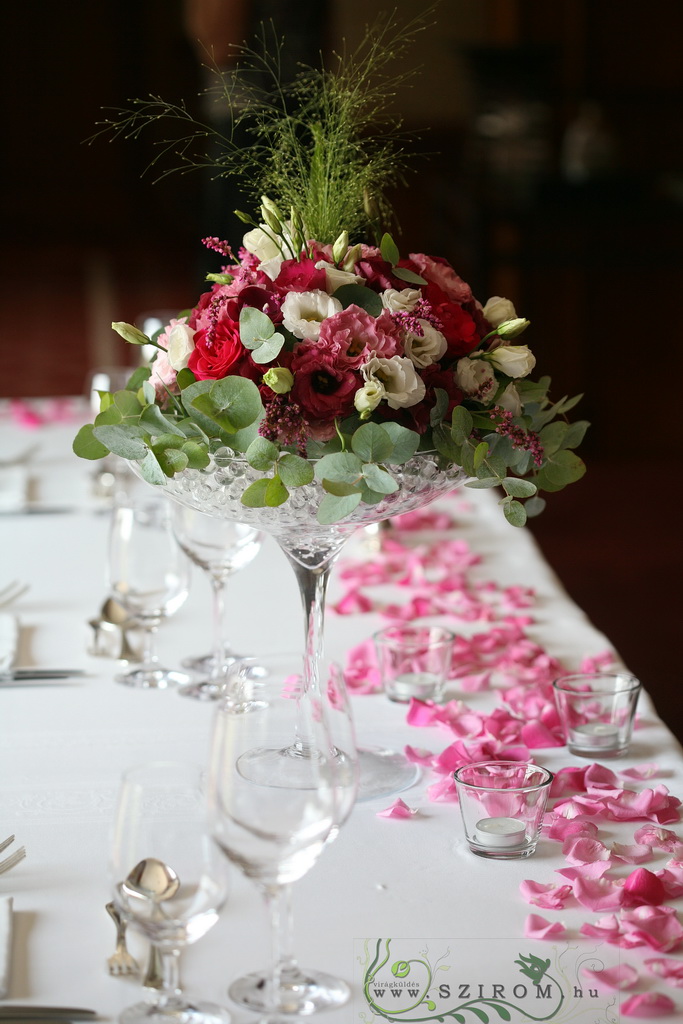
[[502, 805], [414, 661], [597, 710]]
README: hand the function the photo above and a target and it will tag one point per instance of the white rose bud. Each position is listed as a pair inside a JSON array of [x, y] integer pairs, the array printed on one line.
[[260, 244], [513, 360], [340, 246], [426, 349], [510, 400], [475, 377], [335, 278], [401, 383], [180, 346], [498, 309], [400, 302], [367, 398], [279, 379], [133, 335]]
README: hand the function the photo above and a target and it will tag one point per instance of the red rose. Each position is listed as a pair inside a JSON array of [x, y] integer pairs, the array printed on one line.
[[216, 352], [458, 326]]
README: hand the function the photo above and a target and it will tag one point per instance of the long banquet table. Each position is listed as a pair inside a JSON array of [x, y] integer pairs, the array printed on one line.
[[64, 746]]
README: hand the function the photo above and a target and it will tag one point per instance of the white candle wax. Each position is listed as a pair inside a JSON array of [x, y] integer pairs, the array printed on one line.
[[412, 684], [600, 735], [500, 832]]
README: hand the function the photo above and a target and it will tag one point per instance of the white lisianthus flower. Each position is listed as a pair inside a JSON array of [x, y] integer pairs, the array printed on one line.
[[425, 350], [303, 312], [402, 385], [497, 310], [367, 398], [260, 244], [400, 302], [475, 377], [180, 346], [335, 278], [510, 400], [513, 360]]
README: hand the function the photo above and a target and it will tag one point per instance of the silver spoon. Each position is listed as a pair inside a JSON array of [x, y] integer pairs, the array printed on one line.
[[115, 614], [154, 881]]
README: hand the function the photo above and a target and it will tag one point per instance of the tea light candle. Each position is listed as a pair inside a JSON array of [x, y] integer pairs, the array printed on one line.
[[595, 734], [412, 684], [500, 832]]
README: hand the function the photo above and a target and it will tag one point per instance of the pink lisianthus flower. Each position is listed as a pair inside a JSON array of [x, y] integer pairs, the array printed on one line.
[[439, 272], [353, 335], [216, 352], [163, 375], [300, 276], [322, 388], [375, 269]]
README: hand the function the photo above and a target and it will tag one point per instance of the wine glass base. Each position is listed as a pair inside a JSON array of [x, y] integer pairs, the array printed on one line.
[[300, 993], [154, 678], [175, 1012], [384, 772], [205, 663], [205, 689]]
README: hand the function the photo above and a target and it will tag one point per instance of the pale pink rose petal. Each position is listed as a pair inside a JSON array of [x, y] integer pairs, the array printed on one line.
[[659, 838], [648, 1006], [670, 970], [443, 790], [562, 828], [398, 809], [536, 735], [595, 870], [641, 771], [621, 977], [657, 927], [569, 780], [607, 929], [643, 887], [671, 881], [598, 662], [598, 777], [536, 927], [422, 713], [581, 850], [419, 756], [546, 896], [634, 854], [598, 893]]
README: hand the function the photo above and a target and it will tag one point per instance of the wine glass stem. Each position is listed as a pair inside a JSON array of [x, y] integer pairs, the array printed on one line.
[[218, 595], [149, 657], [170, 990], [313, 587], [279, 906]]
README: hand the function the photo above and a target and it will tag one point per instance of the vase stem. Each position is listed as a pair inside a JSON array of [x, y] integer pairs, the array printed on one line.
[[312, 587]]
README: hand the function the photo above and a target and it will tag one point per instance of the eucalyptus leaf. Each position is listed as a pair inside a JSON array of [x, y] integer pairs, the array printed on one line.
[[255, 494], [164, 441], [262, 454], [564, 467], [372, 443], [515, 513], [389, 249], [151, 471], [407, 275], [333, 509], [442, 440], [276, 492], [255, 327], [575, 434], [479, 483], [108, 416], [120, 441], [197, 455], [519, 488], [146, 394], [405, 443], [138, 377], [343, 467], [339, 489], [359, 295], [461, 426], [370, 497], [440, 407], [268, 350], [239, 399], [294, 471], [552, 436], [172, 460], [184, 378], [378, 479], [480, 453], [127, 403], [155, 421], [534, 506], [86, 446]]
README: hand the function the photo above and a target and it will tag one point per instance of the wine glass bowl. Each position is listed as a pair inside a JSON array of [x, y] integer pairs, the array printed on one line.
[[149, 578], [168, 879]]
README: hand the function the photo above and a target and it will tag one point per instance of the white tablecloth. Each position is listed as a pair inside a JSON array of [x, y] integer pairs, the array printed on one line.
[[63, 749]]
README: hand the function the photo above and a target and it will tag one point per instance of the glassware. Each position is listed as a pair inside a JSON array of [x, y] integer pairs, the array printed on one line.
[[220, 547], [414, 661], [312, 550], [502, 805], [149, 576], [168, 878], [283, 778], [597, 710]]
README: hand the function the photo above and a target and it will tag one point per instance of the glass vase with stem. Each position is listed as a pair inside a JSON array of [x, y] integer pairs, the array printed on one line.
[[282, 780], [220, 548], [149, 576], [168, 878], [312, 550]]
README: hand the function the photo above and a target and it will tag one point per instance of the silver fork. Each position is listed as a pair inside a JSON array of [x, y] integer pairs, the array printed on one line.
[[14, 858], [121, 962], [12, 592]]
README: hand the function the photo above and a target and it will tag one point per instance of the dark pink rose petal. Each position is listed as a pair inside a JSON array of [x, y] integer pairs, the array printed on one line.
[[648, 1006], [643, 887]]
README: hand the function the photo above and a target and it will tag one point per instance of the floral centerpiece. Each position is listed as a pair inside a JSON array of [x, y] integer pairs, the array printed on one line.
[[319, 351]]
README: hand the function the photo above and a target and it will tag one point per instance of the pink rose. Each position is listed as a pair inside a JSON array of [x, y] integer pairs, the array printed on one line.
[[216, 353], [322, 387], [353, 335], [439, 272], [300, 276]]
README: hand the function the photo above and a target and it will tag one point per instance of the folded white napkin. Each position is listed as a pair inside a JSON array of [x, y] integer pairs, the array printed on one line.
[[9, 640], [13, 487], [5, 944]]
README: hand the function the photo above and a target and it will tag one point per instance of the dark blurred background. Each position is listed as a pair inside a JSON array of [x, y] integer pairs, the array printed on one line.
[[557, 182]]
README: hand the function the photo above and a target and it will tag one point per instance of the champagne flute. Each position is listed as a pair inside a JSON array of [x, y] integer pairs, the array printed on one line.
[[220, 547], [279, 788], [168, 878], [149, 576]]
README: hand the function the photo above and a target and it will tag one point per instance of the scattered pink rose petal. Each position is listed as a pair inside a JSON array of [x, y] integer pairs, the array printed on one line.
[[648, 1005], [562, 828], [659, 838], [634, 854], [598, 893], [595, 870], [353, 603], [657, 927], [643, 887], [581, 850], [419, 756], [606, 929], [549, 897], [398, 809], [621, 977], [641, 771], [536, 927], [670, 970]]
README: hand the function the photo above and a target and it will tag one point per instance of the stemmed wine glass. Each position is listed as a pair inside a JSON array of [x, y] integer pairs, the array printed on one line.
[[149, 576], [283, 777], [169, 880], [220, 547]]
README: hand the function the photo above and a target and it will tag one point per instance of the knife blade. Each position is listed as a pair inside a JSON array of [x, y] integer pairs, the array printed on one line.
[[42, 1013], [17, 674], [9, 641]]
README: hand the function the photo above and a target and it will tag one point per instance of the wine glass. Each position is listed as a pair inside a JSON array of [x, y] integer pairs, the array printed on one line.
[[149, 576], [280, 786], [220, 547], [169, 879]]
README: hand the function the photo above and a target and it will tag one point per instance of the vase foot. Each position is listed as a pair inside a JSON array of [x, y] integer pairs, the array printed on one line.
[[384, 772]]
